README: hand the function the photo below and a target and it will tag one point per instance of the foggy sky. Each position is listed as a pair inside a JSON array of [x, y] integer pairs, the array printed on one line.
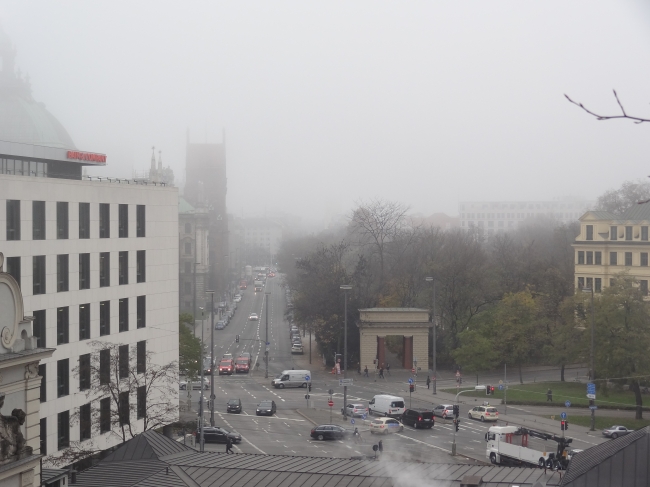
[[328, 103]]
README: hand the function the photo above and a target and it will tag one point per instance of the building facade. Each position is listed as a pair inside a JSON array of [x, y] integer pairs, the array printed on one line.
[[260, 240], [194, 256], [609, 245]]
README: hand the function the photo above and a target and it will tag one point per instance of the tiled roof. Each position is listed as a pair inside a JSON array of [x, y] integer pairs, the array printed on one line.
[[147, 446]]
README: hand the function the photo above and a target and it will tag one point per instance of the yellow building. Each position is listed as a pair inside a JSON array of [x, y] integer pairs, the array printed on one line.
[[609, 244]]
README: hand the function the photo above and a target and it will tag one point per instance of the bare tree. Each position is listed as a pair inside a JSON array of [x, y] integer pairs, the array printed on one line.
[[623, 113], [377, 223], [120, 385]]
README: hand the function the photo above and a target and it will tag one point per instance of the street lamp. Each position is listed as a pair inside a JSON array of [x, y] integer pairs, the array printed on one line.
[[266, 341], [202, 442], [345, 288], [212, 396], [592, 371], [433, 332], [194, 287]]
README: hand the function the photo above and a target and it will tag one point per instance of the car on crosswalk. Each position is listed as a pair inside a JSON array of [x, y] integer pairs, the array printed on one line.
[[384, 426], [484, 413]]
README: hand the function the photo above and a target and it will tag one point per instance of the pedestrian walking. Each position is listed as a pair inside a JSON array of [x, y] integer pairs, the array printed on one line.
[[388, 368], [365, 372], [229, 445], [380, 446], [381, 373], [358, 367], [549, 395], [428, 381]]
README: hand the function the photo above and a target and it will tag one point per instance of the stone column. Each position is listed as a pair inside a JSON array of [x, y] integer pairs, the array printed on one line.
[[368, 349], [421, 350], [381, 351], [408, 352]]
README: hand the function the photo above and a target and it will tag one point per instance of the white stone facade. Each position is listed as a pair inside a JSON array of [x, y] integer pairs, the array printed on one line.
[[160, 285]]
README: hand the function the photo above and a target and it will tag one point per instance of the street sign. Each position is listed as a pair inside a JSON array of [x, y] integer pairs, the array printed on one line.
[[345, 382], [500, 382], [352, 421], [591, 396], [330, 392], [307, 377], [567, 403], [563, 415], [364, 416], [410, 380], [413, 371], [593, 407], [591, 388], [501, 387], [330, 403], [268, 343]]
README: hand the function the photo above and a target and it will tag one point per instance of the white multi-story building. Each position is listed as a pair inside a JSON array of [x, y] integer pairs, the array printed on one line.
[[260, 240], [97, 260]]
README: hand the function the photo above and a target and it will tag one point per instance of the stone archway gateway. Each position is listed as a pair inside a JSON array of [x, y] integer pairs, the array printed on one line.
[[375, 324]]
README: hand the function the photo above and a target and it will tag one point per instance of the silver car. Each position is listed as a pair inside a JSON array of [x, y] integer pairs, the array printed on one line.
[[616, 431], [445, 411]]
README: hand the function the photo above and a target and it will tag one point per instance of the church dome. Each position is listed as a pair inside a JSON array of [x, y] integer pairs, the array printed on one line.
[[22, 119]]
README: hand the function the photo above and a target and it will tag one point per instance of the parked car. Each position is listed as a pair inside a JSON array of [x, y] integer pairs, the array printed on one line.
[[616, 431], [418, 418], [266, 407], [484, 413], [356, 409], [233, 406], [253, 317], [445, 411], [215, 434], [296, 349], [384, 426], [220, 325], [226, 366], [237, 298], [328, 432]]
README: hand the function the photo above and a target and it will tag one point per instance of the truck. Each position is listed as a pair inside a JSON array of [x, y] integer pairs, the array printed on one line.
[[509, 444], [259, 286], [248, 273]]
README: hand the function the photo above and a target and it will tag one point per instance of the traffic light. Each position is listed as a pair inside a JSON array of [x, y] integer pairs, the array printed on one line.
[[309, 386], [457, 423], [456, 410], [564, 425], [488, 390], [411, 388], [237, 338]]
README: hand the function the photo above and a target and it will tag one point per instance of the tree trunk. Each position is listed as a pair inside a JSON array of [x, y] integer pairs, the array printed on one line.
[[521, 375], [639, 399], [562, 373]]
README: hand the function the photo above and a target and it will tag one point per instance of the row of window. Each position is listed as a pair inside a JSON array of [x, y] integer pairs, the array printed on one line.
[[516, 216], [63, 320], [597, 283], [62, 270], [620, 233], [85, 368], [595, 258], [62, 220]]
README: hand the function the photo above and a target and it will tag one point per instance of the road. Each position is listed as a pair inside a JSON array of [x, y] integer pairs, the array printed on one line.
[[288, 431]]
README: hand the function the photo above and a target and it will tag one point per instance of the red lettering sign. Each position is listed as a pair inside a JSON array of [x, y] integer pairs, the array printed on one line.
[[86, 156]]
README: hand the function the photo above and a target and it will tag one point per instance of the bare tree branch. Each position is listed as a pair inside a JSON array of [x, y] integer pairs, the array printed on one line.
[[610, 117]]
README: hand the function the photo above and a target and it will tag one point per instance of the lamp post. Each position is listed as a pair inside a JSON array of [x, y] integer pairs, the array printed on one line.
[[592, 371], [433, 332], [345, 288], [266, 340], [202, 443], [212, 396], [194, 287]]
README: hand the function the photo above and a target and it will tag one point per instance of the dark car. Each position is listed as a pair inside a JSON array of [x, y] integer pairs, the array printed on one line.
[[266, 408], [418, 418], [214, 434], [328, 432], [233, 406]]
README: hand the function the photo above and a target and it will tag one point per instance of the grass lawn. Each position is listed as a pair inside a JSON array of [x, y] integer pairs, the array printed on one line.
[[606, 422], [562, 392]]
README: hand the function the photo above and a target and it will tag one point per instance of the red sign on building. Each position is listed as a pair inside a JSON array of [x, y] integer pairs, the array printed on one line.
[[86, 156]]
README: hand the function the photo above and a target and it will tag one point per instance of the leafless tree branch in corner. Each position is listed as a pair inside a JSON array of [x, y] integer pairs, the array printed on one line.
[[609, 117]]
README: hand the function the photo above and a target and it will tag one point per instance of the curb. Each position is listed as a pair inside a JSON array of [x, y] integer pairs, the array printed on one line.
[[307, 417]]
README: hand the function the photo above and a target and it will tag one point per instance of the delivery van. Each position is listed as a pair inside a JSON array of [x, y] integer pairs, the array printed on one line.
[[385, 405], [292, 378]]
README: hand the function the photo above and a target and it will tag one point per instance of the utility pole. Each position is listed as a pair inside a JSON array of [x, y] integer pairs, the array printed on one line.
[[433, 332], [266, 341], [212, 396], [202, 384], [345, 288], [593, 368]]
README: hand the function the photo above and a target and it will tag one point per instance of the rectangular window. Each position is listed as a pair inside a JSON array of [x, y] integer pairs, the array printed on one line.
[[123, 259], [142, 312], [628, 233], [590, 232], [613, 258], [62, 325], [140, 221], [84, 372], [142, 401], [188, 267], [38, 274], [38, 328], [643, 285], [84, 321], [63, 433], [62, 273], [42, 371], [628, 258], [581, 282], [188, 288], [613, 233], [84, 422], [644, 233], [104, 269], [124, 408], [188, 248], [590, 283], [590, 258], [13, 268], [38, 220], [124, 361], [598, 258], [62, 377], [104, 318], [104, 220], [44, 436], [124, 315], [142, 357], [123, 221], [84, 220], [141, 266], [104, 366], [599, 284], [644, 259], [13, 219], [84, 271], [61, 220], [581, 257], [105, 415]]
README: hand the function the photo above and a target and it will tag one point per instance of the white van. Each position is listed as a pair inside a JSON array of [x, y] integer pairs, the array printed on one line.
[[292, 378], [385, 405]]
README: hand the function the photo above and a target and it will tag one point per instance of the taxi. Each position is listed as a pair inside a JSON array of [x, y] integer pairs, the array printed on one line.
[[484, 413]]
